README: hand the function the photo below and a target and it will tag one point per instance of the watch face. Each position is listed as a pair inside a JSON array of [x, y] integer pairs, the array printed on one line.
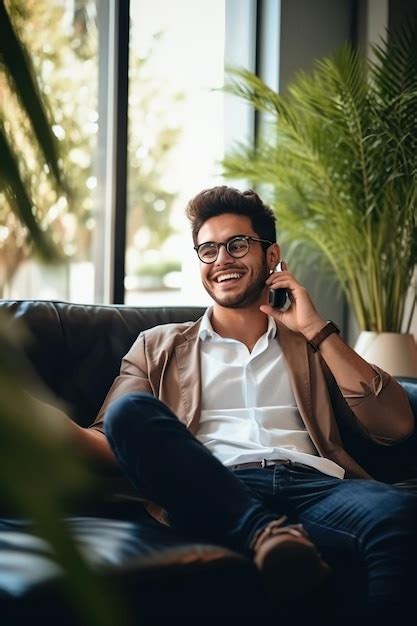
[[335, 326]]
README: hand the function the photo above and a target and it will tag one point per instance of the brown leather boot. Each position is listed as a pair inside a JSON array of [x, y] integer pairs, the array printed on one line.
[[289, 562]]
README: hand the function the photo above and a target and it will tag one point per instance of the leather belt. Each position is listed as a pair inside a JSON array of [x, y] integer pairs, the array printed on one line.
[[264, 464]]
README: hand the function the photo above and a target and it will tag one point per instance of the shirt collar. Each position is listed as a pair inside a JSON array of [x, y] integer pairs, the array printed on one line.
[[206, 331]]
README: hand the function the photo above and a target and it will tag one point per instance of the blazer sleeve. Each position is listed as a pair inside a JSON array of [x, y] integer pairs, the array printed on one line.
[[380, 409], [133, 376]]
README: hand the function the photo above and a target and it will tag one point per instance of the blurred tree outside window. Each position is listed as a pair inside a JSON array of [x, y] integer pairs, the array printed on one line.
[[62, 39], [153, 131], [175, 146], [176, 64]]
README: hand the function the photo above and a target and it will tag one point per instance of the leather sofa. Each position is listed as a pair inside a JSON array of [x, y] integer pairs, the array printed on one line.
[[76, 351]]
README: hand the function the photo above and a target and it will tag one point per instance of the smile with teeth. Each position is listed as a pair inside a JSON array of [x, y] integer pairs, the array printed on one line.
[[232, 275]]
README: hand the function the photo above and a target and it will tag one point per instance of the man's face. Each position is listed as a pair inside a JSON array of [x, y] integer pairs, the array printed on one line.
[[235, 283]]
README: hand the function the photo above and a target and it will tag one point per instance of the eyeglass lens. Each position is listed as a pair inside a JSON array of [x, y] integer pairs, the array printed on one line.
[[236, 247]]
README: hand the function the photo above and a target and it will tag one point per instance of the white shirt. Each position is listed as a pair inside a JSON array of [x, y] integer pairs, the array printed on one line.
[[248, 407]]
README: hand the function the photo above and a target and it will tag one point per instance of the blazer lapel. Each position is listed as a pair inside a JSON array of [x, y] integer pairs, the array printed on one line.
[[294, 349], [312, 396], [187, 357]]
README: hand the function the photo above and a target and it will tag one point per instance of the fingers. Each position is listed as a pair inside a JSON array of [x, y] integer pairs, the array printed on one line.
[[281, 279], [267, 309]]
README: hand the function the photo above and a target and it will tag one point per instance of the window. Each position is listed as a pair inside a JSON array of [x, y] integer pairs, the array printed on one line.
[[62, 39], [176, 138], [175, 141]]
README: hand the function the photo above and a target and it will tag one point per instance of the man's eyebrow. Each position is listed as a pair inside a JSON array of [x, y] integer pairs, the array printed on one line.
[[228, 239]]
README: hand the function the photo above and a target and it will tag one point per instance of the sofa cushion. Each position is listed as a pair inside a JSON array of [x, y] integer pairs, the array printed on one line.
[[76, 349], [110, 545]]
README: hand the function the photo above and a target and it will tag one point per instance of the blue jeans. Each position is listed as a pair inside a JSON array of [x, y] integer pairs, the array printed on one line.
[[361, 527]]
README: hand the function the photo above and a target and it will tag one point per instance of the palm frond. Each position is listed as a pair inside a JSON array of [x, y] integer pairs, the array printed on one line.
[[252, 89], [15, 189], [395, 70], [15, 181], [17, 66]]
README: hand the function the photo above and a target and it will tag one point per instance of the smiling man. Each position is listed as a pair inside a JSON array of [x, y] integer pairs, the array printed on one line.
[[227, 425]]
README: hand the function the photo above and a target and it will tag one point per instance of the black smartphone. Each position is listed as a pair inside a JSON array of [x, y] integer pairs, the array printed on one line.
[[279, 298]]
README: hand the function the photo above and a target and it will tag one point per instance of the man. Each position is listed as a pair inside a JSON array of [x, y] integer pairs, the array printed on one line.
[[228, 425]]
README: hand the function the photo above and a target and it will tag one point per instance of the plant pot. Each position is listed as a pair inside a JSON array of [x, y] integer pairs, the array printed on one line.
[[396, 353]]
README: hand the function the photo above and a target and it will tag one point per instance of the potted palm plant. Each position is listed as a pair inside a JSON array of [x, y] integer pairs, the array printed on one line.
[[338, 158]]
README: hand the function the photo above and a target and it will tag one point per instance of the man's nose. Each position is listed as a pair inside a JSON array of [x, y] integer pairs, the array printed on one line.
[[223, 256]]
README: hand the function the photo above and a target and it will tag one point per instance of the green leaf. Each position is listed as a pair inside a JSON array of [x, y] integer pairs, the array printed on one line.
[[40, 472]]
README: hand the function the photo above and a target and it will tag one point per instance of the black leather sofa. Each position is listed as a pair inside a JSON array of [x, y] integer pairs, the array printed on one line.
[[76, 350]]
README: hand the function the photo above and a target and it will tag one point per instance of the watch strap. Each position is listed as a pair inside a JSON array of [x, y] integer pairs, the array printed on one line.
[[327, 330]]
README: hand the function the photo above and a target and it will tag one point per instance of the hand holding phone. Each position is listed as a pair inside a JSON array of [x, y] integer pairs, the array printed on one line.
[[279, 298]]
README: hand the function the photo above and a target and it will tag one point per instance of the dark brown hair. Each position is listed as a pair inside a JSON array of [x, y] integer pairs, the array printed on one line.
[[218, 200]]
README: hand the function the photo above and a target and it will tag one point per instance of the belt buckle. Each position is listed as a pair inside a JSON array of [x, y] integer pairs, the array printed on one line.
[[263, 463]]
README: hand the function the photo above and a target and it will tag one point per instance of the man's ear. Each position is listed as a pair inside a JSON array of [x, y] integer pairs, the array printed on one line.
[[273, 255]]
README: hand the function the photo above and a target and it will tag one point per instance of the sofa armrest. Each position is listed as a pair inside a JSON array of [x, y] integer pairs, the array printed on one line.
[[410, 387]]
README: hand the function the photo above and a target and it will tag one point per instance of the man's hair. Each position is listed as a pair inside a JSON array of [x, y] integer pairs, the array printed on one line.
[[219, 200]]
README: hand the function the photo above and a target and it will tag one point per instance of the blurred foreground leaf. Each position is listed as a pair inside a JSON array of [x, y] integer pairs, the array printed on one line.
[[38, 474]]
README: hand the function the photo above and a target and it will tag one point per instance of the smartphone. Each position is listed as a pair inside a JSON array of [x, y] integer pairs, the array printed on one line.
[[279, 298]]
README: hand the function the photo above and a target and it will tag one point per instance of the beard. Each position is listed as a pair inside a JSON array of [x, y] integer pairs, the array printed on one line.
[[249, 296]]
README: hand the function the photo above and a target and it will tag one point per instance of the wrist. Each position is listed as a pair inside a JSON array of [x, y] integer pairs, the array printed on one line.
[[328, 329], [313, 328]]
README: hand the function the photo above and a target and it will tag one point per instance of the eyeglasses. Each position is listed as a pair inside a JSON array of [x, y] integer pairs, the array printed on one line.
[[237, 247]]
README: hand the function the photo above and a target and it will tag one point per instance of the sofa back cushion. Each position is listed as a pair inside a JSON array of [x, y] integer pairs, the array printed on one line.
[[76, 349]]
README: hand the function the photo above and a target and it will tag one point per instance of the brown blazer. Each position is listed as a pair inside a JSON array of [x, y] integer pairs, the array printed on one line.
[[165, 362]]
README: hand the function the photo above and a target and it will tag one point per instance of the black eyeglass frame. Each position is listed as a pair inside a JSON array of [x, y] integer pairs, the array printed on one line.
[[226, 244]]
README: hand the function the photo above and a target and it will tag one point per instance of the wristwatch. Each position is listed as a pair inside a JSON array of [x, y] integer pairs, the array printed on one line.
[[322, 334]]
